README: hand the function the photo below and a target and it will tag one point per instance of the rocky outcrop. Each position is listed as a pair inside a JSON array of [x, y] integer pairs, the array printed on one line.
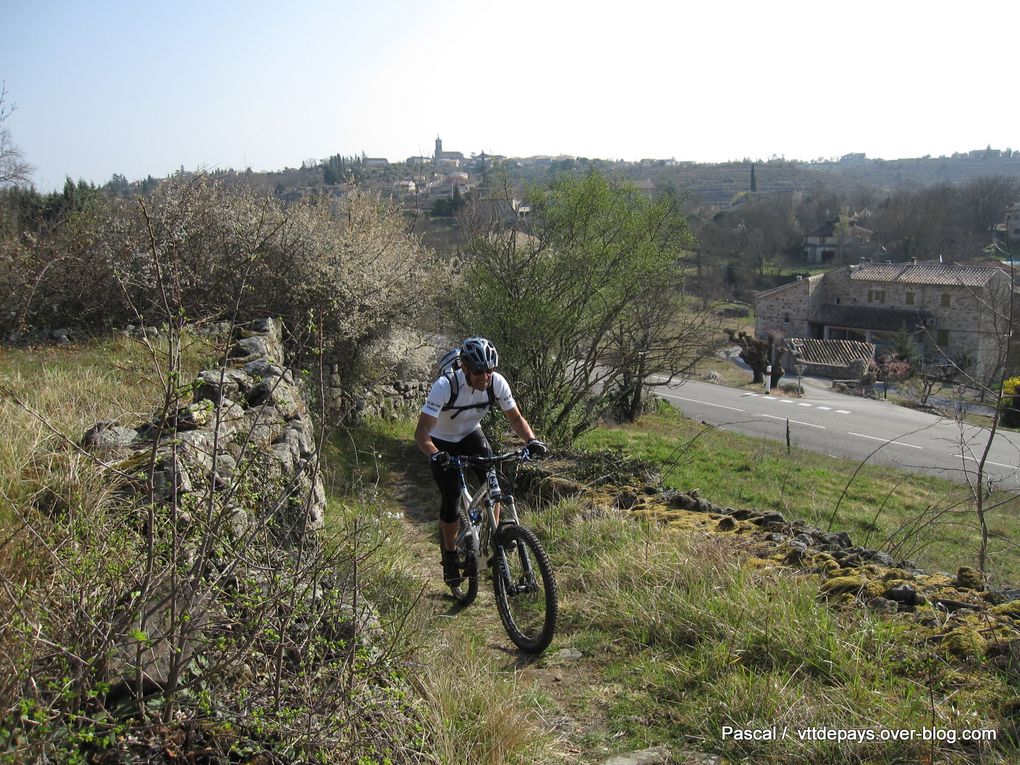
[[960, 615]]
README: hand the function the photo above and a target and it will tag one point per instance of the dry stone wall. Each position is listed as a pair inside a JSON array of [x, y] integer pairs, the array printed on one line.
[[388, 400], [246, 435]]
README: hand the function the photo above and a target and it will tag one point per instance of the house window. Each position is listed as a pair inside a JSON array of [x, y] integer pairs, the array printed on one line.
[[910, 298], [876, 296], [786, 318], [942, 337], [944, 300]]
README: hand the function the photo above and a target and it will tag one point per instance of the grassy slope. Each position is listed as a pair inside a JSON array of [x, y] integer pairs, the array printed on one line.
[[73, 387], [677, 636]]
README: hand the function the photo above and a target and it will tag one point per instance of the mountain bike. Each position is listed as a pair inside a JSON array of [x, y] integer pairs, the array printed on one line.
[[522, 577]]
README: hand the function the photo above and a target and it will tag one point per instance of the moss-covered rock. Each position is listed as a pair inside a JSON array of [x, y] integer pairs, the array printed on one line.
[[726, 523], [841, 584], [968, 578], [1011, 610], [965, 642]]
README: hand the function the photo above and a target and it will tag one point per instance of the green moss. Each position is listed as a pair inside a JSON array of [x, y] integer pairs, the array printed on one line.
[[1011, 609], [843, 584], [965, 643]]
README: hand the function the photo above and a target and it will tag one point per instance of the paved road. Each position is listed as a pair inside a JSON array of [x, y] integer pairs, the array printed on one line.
[[855, 428]]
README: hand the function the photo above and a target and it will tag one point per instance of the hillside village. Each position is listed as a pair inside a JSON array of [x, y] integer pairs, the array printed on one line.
[[420, 180]]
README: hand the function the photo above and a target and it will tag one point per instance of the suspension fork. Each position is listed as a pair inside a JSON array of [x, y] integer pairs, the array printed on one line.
[[468, 530]]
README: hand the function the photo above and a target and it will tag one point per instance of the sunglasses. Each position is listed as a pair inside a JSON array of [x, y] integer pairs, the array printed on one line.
[[480, 371]]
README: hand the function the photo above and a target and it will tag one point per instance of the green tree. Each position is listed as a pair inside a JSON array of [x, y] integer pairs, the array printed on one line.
[[333, 170], [118, 185], [448, 207], [569, 302], [903, 346]]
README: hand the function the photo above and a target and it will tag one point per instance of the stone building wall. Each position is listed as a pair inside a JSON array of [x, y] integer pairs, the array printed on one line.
[[784, 311]]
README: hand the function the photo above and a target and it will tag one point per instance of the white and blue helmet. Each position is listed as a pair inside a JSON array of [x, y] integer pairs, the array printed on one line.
[[478, 353]]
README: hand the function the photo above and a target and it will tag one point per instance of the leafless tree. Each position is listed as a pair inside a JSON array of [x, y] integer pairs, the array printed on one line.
[[13, 167], [1000, 305]]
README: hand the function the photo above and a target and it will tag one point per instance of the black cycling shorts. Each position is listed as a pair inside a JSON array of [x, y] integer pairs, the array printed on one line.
[[474, 444]]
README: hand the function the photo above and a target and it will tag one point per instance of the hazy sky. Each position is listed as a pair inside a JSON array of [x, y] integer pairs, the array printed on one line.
[[141, 88]]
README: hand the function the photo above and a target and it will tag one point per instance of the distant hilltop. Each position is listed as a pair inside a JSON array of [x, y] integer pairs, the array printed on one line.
[[446, 175]]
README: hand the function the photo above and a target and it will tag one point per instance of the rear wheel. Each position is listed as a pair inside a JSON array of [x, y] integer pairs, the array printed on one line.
[[466, 592], [525, 589]]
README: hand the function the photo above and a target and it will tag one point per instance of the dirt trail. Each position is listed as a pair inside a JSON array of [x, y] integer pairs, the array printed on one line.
[[414, 491], [560, 672]]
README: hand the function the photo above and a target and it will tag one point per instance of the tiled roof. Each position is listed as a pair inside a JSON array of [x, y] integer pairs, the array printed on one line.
[[833, 352], [923, 273], [828, 229]]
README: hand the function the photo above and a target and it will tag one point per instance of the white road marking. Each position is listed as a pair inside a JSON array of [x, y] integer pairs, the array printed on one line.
[[842, 411], [825, 408], [787, 419], [706, 403], [803, 404], [885, 440], [987, 462]]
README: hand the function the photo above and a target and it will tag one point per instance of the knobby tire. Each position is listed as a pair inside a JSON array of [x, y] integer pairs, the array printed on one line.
[[528, 617]]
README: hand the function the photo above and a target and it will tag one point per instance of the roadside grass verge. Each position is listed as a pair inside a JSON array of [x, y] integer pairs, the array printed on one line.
[[681, 641], [921, 518]]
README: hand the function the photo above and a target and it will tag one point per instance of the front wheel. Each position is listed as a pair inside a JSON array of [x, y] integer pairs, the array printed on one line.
[[525, 589]]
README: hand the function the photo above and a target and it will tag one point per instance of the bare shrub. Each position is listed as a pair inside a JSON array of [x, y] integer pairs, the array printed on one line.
[[197, 249]]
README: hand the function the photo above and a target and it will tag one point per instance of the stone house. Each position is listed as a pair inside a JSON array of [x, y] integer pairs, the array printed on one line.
[[953, 313], [828, 242]]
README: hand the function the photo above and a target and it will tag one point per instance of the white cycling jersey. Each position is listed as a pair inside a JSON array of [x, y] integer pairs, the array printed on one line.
[[453, 424]]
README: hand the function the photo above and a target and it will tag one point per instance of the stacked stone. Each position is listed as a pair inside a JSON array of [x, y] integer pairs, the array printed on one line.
[[248, 412], [393, 400]]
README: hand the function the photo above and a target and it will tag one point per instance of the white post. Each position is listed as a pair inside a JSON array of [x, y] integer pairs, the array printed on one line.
[[768, 379]]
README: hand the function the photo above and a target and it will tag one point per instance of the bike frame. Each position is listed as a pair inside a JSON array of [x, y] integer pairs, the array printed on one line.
[[522, 571], [485, 500]]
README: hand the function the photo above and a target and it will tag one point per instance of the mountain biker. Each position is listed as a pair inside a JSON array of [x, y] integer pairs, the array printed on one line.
[[449, 425]]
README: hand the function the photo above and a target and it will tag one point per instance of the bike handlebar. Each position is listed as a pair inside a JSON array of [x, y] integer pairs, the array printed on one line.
[[522, 453]]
